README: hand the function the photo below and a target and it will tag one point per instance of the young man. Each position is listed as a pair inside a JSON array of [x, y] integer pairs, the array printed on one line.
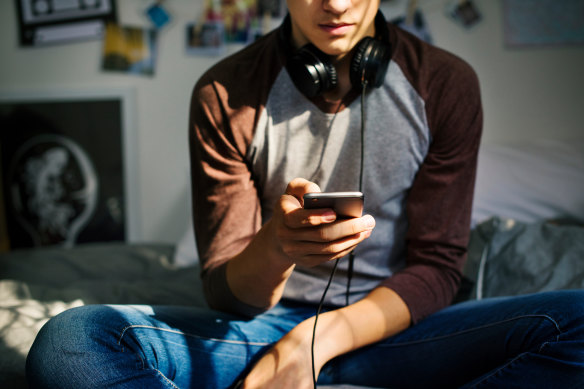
[[273, 123]]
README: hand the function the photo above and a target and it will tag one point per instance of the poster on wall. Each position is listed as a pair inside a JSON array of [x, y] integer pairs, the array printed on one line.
[[63, 180], [43, 22], [531, 23]]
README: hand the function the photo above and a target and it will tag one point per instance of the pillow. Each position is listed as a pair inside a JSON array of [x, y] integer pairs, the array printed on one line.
[[529, 182], [508, 258]]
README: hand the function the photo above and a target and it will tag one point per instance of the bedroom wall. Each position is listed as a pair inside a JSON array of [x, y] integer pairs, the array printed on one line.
[[527, 93]]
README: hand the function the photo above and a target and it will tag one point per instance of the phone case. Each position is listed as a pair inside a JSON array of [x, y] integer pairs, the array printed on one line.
[[345, 204]]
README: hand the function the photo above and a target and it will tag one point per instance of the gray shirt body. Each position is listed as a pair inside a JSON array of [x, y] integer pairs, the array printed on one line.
[[294, 138]]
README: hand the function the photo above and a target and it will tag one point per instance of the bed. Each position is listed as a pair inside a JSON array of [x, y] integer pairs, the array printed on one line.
[[38, 284], [527, 236]]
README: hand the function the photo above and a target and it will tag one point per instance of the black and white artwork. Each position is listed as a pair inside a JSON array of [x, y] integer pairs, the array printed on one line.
[[63, 171]]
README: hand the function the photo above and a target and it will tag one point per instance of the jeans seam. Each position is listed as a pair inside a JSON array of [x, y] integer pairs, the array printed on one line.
[[240, 342], [556, 325], [125, 329], [166, 378]]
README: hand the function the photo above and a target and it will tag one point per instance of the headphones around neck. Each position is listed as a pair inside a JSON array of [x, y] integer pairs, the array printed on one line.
[[313, 73]]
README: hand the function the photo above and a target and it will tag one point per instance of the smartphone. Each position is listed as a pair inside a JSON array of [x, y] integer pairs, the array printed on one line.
[[345, 204]]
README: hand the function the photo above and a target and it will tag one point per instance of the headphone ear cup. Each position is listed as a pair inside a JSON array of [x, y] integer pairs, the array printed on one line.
[[370, 62], [311, 71]]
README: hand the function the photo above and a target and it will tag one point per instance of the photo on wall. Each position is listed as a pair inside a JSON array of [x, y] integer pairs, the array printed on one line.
[[232, 22], [207, 38], [62, 171], [129, 50]]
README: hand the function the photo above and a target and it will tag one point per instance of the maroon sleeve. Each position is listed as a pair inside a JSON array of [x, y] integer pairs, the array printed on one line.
[[225, 106], [440, 200], [223, 195]]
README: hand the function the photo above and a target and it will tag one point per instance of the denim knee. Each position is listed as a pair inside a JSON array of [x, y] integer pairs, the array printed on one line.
[[56, 358], [566, 309]]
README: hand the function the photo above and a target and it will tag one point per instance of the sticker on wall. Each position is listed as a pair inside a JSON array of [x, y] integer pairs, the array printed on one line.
[[158, 14]]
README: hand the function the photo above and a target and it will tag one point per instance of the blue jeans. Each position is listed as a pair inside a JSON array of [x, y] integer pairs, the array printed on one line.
[[513, 342]]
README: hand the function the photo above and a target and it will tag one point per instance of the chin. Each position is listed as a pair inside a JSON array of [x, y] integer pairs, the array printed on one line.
[[337, 52], [337, 49]]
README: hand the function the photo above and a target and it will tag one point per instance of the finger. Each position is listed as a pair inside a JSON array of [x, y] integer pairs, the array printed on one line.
[[303, 218], [298, 187], [291, 204], [312, 254], [332, 231], [292, 198]]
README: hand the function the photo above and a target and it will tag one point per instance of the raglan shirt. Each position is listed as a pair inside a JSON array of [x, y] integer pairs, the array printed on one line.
[[251, 132]]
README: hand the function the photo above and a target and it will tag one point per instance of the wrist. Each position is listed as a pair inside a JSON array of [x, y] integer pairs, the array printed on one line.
[[269, 244], [325, 346], [273, 264], [379, 315]]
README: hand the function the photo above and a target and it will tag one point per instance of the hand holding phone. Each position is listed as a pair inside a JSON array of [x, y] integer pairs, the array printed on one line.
[[345, 204]]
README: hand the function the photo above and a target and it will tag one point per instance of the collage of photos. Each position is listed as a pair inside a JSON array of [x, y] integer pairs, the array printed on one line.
[[232, 22], [133, 49]]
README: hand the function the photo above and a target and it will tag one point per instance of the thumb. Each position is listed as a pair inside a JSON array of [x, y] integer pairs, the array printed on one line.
[[298, 187]]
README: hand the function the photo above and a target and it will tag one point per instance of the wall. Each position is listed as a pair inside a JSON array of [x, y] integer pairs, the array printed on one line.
[[161, 102], [526, 93]]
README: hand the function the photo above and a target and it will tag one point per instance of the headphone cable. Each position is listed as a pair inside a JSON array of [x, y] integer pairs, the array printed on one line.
[[320, 305], [351, 254]]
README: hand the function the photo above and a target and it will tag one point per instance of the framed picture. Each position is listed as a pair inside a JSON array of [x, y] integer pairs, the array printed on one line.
[[69, 168], [44, 22], [4, 241]]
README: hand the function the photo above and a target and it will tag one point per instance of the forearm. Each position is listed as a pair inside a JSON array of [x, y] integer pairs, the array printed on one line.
[[254, 279], [257, 276], [379, 315]]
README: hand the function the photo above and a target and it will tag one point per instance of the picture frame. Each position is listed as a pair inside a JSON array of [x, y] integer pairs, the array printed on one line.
[[69, 167], [44, 22]]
